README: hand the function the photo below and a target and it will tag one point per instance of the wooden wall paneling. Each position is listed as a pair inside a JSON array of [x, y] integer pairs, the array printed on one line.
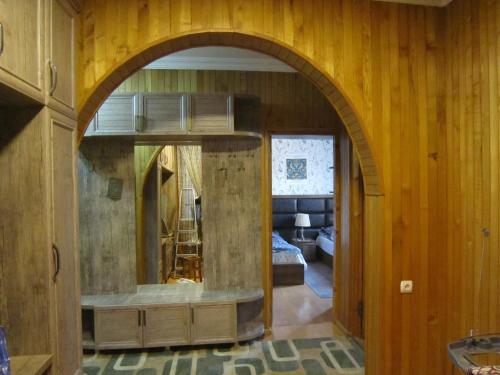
[[231, 207], [472, 126], [424, 82], [356, 270], [348, 275], [341, 275], [107, 226]]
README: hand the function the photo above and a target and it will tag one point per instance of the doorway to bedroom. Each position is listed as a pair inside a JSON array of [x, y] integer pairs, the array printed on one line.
[[304, 234]]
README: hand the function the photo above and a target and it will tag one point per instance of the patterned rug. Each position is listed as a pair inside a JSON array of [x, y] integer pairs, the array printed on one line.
[[299, 356]]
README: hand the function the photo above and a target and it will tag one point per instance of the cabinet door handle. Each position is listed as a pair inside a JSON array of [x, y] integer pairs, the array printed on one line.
[[55, 251], [1, 38], [192, 315], [138, 123], [139, 320], [53, 77]]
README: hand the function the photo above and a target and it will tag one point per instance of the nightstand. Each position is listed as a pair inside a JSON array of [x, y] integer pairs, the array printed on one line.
[[307, 246]]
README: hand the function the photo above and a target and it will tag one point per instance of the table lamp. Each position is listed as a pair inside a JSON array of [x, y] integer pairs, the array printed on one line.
[[302, 220]]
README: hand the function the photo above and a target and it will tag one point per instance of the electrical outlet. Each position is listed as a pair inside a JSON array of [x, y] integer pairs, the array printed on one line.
[[407, 286]]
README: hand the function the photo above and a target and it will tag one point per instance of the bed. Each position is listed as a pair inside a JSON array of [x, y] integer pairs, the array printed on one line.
[[288, 263], [320, 209], [325, 242]]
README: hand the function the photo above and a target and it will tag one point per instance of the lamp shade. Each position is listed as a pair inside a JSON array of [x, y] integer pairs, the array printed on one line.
[[302, 220]]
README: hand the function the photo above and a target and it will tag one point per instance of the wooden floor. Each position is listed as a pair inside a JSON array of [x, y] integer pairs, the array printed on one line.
[[299, 313]]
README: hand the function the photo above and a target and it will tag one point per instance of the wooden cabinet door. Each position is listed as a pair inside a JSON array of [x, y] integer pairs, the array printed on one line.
[[117, 115], [61, 56], [66, 273], [21, 26], [211, 114], [213, 323], [166, 325], [163, 113], [25, 285], [118, 328]]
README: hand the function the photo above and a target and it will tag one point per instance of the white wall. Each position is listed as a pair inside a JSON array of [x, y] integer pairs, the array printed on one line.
[[319, 155]]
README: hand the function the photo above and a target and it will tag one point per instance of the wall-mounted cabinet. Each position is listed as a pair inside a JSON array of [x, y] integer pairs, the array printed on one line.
[[211, 114], [21, 47], [118, 115], [37, 53], [148, 115], [60, 47], [163, 113]]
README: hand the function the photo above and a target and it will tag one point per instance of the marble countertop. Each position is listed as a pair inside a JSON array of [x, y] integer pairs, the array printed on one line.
[[157, 294]]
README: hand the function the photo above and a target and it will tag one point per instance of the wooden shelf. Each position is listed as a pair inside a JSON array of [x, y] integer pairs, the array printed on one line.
[[177, 117], [158, 294], [30, 364], [236, 315]]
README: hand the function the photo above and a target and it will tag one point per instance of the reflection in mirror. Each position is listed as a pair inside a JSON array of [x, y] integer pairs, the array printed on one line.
[[172, 216]]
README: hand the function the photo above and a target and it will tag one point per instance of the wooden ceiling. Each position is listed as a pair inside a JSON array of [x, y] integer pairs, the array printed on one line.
[[434, 3]]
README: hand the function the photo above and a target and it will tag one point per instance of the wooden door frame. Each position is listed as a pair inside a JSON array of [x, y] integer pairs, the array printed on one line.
[[267, 226], [376, 294]]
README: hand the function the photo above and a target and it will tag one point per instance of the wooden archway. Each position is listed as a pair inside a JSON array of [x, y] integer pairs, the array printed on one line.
[[264, 44], [372, 179]]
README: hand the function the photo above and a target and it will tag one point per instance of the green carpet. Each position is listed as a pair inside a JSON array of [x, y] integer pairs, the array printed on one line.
[[300, 356]]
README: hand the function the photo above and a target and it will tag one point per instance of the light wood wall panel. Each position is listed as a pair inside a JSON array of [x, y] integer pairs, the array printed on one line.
[[424, 82], [231, 211], [107, 226], [348, 275], [470, 197]]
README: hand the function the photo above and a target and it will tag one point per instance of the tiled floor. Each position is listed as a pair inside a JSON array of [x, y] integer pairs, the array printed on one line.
[[298, 313]]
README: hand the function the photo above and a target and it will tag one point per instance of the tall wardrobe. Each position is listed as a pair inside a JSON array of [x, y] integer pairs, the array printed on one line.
[[39, 273]]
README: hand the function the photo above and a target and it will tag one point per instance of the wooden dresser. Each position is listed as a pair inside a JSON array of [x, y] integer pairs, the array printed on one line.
[[171, 314]]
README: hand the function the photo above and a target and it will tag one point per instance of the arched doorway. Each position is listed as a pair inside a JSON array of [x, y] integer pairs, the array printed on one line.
[[373, 188]]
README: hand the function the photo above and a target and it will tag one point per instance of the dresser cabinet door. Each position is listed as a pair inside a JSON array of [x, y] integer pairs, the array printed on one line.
[[211, 114], [166, 326], [163, 113], [21, 26], [118, 328], [67, 296], [213, 323], [61, 56], [117, 115]]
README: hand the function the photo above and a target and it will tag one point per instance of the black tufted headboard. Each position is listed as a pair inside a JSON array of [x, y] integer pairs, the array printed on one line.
[[319, 208]]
